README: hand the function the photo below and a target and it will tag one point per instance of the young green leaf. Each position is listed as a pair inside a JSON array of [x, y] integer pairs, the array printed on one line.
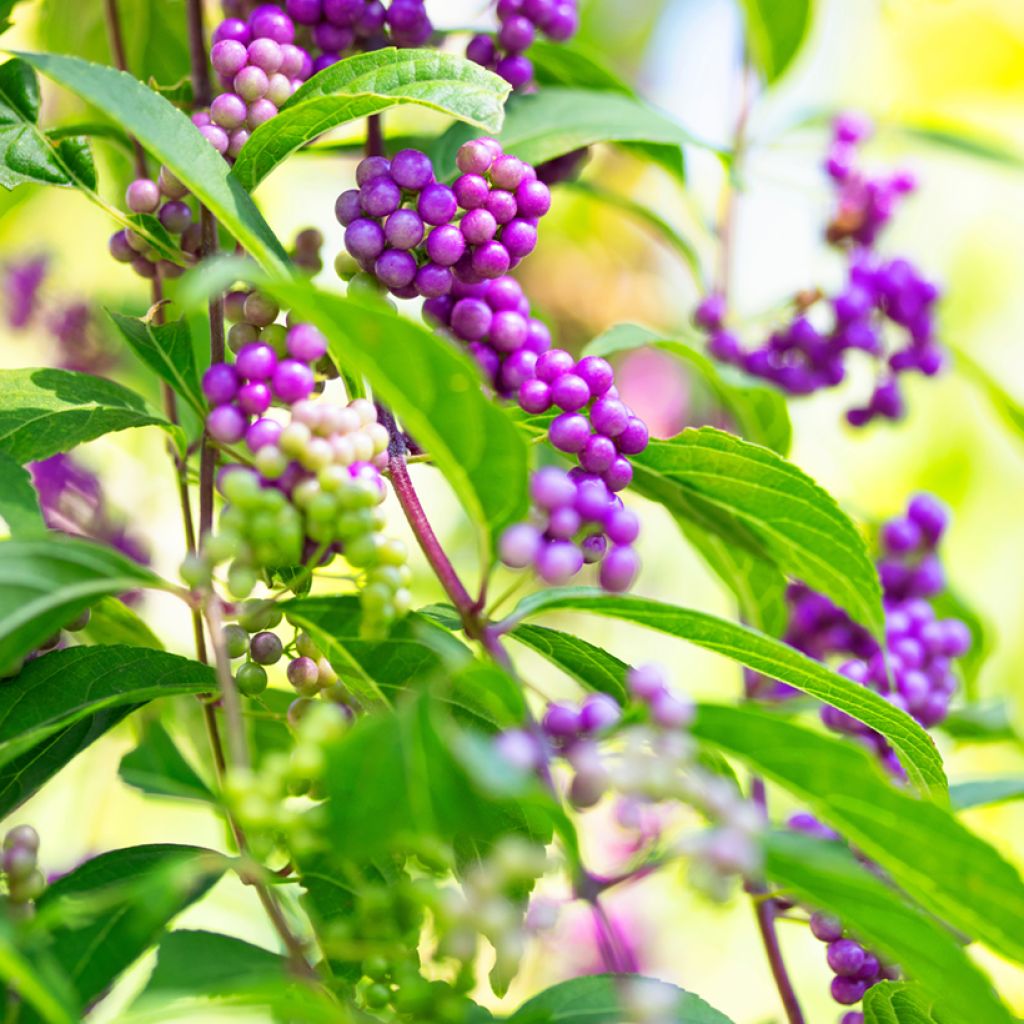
[[369, 83], [37, 980], [57, 690], [759, 413], [553, 122], [775, 32], [897, 1003], [167, 350], [923, 847], [589, 665], [157, 767], [43, 412], [826, 877], [111, 621], [170, 137], [436, 391], [763, 654], [19, 503], [764, 504], [574, 66], [105, 914], [607, 999], [48, 581], [986, 792]]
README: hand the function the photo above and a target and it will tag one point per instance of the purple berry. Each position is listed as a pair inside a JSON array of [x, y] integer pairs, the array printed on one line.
[[609, 416], [550, 488], [226, 424], [412, 169], [143, 196], [254, 398], [520, 238], [292, 381], [558, 561], [570, 392], [533, 198], [432, 281], [569, 432], [228, 57], [348, 208], [599, 713], [471, 319], [519, 545], [395, 268], [597, 373], [380, 197], [634, 439], [364, 239], [262, 433], [372, 167], [437, 205], [446, 245], [619, 569], [534, 396], [306, 343], [471, 191], [845, 957], [478, 227], [220, 383], [256, 361], [561, 721], [553, 363]]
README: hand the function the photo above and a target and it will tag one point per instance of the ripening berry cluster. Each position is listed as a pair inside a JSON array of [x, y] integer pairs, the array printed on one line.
[[519, 22], [165, 200], [855, 968], [885, 309], [417, 236], [578, 521], [20, 863], [915, 670]]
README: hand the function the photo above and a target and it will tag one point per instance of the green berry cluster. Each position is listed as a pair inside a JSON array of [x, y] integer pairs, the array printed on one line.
[[20, 860]]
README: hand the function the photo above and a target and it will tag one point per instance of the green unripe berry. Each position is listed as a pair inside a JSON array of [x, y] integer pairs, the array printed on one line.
[[306, 646], [30, 888], [240, 487], [260, 309], [377, 967], [377, 996], [242, 334], [361, 552], [251, 679], [375, 599], [236, 641], [393, 552], [223, 546], [294, 438], [195, 571], [255, 616], [323, 508], [271, 461], [345, 265], [275, 336], [233, 520], [79, 622], [241, 579]]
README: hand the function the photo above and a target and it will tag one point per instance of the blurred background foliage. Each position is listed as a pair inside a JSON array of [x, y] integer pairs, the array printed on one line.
[[944, 80]]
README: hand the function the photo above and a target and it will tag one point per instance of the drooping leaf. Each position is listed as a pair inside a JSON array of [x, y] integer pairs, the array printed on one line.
[[436, 392], [113, 908], [826, 877], [938, 861], [759, 412], [57, 690], [111, 622], [167, 350], [170, 137], [763, 654], [553, 122], [369, 83], [775, 31], [157, 767], [898, 1003], [607, 999], [986, 792], [44, 411], [764, 504], [19, 503]]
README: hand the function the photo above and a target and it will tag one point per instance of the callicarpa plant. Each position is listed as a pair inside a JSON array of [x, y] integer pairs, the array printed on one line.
[[437, 770]]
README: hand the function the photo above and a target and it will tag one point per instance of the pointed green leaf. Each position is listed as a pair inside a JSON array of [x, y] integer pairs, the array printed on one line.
[[775, 32], [167, 350], [896, 1003], [589, 665], [369, 83], [111, 622], [157, 767], [43, 412], [50, 580], [38, 981], [915, 747], [207, 964], [170, 137], [986, 792], [19, 503], [923, 847], [826, 877]]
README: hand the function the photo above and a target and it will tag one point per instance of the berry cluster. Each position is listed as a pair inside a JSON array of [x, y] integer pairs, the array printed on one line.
[[578, 521], [164, 199], [519, 21], [20, 860], [258, 66], [855, 968], [55, 642], [417, 236], [915, 670], [885, 309]]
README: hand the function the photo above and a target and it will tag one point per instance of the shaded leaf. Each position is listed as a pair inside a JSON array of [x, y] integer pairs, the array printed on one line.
[[38, 981], [573, 65], [985, 792], [980, 723], [369, 83], [589, 665], [938, 861], [19, 503], [48, 581], [775, 31], [43, 412], [157, 767], [897, 1003], [111, 621], [763, 654], [205, 963], [827, 877]]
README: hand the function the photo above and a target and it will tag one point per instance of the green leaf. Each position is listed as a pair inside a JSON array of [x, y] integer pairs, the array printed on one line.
[[923, 847], [60, 688], [759, 413], [49, 581], [368, 83], [553, 122], [111, 621], [43, 412], [827, 877], [951, 605], [1003, 403], [6, 7], [374, 668], [574, 66], [167, 350], [597, 999], [394, 782], [986, 792], [170, 137], [19, 503], [763, 654], [897, 1003], [38, 981], [589, 665], [113, 908], [207, 964], [775, 31], [27, 157], [157, 767], [436, 391], [964, 141], [754, 499]]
